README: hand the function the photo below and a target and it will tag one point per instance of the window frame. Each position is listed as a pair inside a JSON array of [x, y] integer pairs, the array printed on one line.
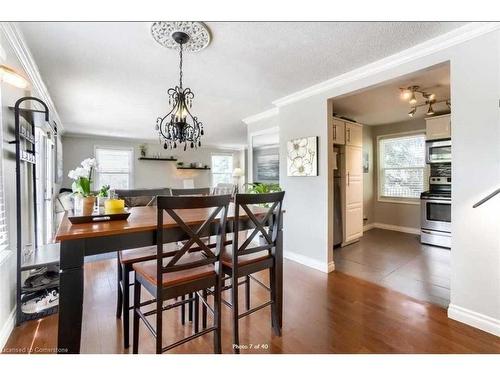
[[131, 170], [231, 154], [400, 200]]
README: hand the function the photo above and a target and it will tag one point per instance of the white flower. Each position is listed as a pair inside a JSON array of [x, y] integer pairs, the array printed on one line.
[[78, 173], [89, 163]]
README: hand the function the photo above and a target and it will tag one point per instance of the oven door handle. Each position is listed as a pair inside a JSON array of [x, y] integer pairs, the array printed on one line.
[[431, 200]]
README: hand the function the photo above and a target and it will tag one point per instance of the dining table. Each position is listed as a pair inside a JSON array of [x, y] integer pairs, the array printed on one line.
[[140, 230]]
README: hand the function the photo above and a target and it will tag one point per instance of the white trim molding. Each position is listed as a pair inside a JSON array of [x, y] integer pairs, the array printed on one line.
[[429, 47], [18, 44], [310, 262], [474, 319], [7, 328], [261, 116]]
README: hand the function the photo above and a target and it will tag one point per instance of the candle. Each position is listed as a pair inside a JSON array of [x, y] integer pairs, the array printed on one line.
[[112, 206]]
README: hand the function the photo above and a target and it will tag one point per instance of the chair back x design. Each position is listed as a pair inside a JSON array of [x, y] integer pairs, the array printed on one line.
[[271, 220], [175, 207]]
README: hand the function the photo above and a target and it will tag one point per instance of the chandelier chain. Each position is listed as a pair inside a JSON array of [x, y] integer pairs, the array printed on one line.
[[180, 66]]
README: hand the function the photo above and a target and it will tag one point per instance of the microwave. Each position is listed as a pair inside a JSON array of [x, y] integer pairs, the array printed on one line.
[[438, 151]]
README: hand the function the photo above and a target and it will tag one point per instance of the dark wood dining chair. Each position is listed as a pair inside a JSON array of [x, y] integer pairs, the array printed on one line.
[[190, 192], [251, 252], [127, 258], [193, 268]]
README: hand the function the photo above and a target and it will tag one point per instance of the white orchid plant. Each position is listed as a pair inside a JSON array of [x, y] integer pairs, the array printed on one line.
[[82, 177]]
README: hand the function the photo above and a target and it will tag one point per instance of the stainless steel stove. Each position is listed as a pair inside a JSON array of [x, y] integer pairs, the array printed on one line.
[[435, 208]]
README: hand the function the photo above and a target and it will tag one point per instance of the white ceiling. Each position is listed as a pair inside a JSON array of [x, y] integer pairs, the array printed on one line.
[[382, 104], [111, 78]]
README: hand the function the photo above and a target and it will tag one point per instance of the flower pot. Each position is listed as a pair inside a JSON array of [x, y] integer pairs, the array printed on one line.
[[88, 205]]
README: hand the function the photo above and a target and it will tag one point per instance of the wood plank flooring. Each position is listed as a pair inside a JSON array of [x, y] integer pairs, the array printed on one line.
[[323, 313], [400, 262]]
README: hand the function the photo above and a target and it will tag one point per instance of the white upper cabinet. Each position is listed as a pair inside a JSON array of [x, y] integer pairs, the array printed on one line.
[[438, 127], [354, 134], [338, 132]]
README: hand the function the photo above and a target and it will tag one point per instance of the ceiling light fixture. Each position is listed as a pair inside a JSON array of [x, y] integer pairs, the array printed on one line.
[[13, 78], [412, 112], [179, 127], [430, 110]]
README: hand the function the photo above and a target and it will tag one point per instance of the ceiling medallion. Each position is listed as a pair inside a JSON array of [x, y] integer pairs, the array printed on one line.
[[199, 36], [179, 127]]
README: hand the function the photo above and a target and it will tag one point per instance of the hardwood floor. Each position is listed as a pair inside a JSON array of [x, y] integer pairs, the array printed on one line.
[[333, 313], [400, 262]]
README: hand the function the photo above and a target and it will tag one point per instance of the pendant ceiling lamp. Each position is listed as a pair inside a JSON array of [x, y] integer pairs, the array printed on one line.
[[179, 127]]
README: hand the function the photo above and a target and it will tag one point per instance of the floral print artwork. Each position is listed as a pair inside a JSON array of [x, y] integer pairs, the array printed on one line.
[[302, 157]]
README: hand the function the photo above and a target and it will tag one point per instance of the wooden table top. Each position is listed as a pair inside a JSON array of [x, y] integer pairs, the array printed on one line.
[[141, 219]]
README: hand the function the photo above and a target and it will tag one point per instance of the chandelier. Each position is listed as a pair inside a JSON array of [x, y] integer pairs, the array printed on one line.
[[179, 128]]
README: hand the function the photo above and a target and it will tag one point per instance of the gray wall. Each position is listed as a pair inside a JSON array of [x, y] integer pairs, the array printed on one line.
[[146, 174], [399, 214], [8, 97], [368, 183]]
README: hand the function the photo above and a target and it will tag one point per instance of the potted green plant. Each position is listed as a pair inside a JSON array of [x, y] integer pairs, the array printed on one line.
[[102, 195], [84, 200], [262, 188], [180, 163]]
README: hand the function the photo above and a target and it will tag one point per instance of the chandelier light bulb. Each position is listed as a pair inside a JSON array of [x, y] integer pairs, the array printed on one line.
[[405, 94], [412, 112], [413, 98]]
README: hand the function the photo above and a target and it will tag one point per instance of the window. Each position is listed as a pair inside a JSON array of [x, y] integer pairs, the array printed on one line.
[[401, 166], [222, 169], [114, 167]]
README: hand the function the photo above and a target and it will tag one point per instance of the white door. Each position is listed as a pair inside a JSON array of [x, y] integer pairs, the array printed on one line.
[[353, 187]]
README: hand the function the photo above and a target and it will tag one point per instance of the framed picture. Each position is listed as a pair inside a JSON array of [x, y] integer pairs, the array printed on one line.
[[268, 167], [366, 162], [302, 157]]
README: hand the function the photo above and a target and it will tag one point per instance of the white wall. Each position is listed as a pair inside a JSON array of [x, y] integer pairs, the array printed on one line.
[[147, 174], [475, 86]]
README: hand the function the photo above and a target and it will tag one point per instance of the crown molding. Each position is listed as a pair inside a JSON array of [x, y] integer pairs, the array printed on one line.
[[18, 44], [439, 43], [261, 116]]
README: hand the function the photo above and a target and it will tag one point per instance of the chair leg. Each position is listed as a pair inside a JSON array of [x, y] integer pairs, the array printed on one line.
[[204, 310], [137, 301], [159, 321], [217, 317], [196, 313], [247, 292], [274, 308], [119, 297], [190, 307], [126, 305], [234, 302], [183, 311]]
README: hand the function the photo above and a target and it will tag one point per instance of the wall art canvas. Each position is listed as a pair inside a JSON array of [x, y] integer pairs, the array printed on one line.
[[302, 157], [268, 167]]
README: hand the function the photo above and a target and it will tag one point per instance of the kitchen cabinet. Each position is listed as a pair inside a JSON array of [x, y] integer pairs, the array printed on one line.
[[352, 181], [353, 134], [338, 132], [438, 127]]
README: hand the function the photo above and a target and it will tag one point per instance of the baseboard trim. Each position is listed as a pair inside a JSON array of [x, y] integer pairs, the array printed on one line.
[[483, 322], [367, 227], [7, 328], [309, 262], [396, 228]]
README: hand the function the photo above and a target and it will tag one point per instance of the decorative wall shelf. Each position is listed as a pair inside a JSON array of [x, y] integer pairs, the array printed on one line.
[[202, 168], [159, 159]]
